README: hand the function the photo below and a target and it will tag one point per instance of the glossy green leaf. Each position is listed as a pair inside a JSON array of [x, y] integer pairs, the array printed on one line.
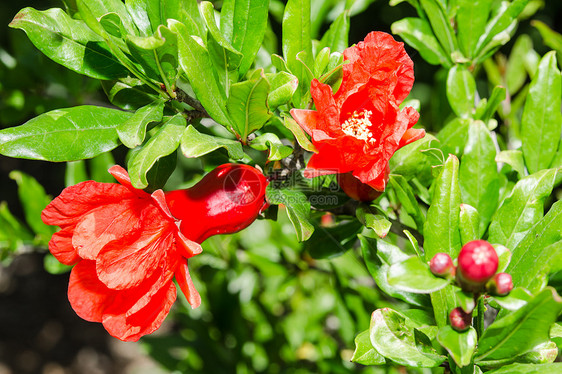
[[414, 276], [454, 136], [64, 134], [460, 345], [247, 106], [373, 219], [513, 158], [196, 63], [299, 134], [498, 95], [333, 241], [441, 26], [541, 354], [410, 160], [469, 223], [283, 86], [33, 199], [461, 90], [298, 209], [364, 353], [296, 37], [554, 368], [472, 17], [406, 196], [379, 256], [132, 131], [465, 300], [521, 330], [69, 42], [505, 16], [128, 96], [417, 33], [441, 230], [516, 72], [517, 298], [271, 142], [163, 143], [550, 37], [541, 124], [243, 24], [99, 8], [196, 144], [478, 174], [539, 251], [185, 11], [522, 209], [393, 335], [336, 38]]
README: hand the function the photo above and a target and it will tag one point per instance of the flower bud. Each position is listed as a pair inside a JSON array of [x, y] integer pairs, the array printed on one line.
[[460, 320], [441, 265], [500, 285], [477, 263]]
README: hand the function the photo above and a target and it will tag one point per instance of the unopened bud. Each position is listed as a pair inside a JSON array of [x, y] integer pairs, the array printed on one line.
[[441, 265], [478, 262], [500, 285], [460, 320]]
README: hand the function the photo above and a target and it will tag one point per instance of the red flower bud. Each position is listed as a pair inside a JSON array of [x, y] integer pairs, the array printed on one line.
[[478, 262], [501, 284], [227, 200], [356, 189], [460, 320], [441, 265]]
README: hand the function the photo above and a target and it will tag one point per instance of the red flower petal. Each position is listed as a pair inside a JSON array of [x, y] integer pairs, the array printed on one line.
[[411, 135], [186, 285], [307, 119], [61, 246], [87, 295]]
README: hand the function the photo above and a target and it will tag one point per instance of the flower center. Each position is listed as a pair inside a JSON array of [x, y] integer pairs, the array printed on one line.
[[358, 126], [480, 256]]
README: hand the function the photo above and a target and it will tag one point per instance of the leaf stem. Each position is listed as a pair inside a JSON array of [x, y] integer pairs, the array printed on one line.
[[480, 316]]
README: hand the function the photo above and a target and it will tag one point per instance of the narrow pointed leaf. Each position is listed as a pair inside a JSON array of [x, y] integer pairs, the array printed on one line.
[[196, 144]]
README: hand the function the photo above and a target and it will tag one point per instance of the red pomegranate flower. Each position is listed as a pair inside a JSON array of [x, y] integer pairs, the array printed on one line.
[[359, 128], [127, 248]]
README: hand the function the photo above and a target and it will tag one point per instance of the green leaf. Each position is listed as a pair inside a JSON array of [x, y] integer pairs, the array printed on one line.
[[478, 175], [299, 134], [465, 300], [441, 26], [539, 251], [394, 335], [513, 158], [505, 16], [33, 199], [132, 131], [364, 353], [271, 142], [441, 230], [243, 24], [297, 38], [333, 241], [372, 219], [522, 209], [460, 345], [53, 266], [555, 368], [75, 173], [99, 8], [283, 87], [520, 331], [185, 11], [379, 256], [461, 90], [472, 16], [195, 144], [496, 98], [516, 72], [298, 209], [196, 63], [541, 124], [64, 134], [69, 42], [410, 160], [454, 135], [163, 143], [336, 38], [551, 38], [128, 96], [414, 276], [517, 298], [417, 33], [406, 196], [469, 222], [247, 106]]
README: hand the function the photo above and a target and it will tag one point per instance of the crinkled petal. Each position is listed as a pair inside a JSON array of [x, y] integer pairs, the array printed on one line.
[[411, 135], [75, 201], [122, 177], [186, 285], [131, 327], [328, 111], [307, 119], [61, 246], [125, 262], [87, 295], [105, 224]]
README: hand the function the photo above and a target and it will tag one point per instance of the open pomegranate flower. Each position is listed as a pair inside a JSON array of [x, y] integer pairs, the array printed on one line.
[[358, 129], [127, 248]]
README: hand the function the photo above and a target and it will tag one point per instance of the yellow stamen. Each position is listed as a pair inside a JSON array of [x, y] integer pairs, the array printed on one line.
[[358, 126]]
